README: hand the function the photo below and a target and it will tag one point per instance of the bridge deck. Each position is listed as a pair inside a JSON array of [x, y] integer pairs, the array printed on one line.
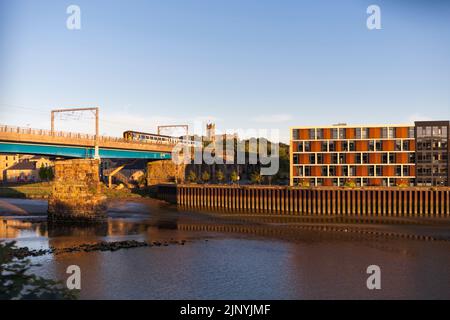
[[35, 141]]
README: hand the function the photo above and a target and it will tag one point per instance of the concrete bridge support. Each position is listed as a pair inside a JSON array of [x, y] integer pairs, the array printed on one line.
[[76, 194]]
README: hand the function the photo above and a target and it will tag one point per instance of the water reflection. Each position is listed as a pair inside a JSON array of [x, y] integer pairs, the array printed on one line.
[[245, 257]]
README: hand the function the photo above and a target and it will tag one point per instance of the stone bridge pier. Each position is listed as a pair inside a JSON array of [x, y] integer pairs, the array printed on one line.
[[77, 194]]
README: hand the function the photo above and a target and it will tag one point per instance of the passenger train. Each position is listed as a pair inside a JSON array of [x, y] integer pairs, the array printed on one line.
[[154, 138]]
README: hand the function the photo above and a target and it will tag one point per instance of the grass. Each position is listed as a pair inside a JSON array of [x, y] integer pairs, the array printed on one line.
[[44, 189], [29, 190]]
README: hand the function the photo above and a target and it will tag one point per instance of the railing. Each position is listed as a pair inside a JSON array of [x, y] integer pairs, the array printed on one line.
[[79, 136]]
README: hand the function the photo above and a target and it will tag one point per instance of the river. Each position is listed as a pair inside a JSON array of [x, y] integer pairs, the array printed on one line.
[[235, 255]]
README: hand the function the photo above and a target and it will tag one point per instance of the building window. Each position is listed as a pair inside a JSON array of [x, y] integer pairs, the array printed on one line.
[[341, 133], [307, 146], [364, 133], [391, 158], [334, 133], [332, 171], [324, 147], [345, 145], [319, 158], [378, 171], [312, 134], [331, 146], [398, 145], [295, 159], [341, 158], [358, 133], [358, 158], [295, 134], [365, 158], [384, 133], [384, 158], [371, 145], [324, 171], [405, 171], [398, 171], [312, 158], [351, 145], [378, 145], [411, 132], [391, 133], [319, 134], [300, 147], [345, 171], [352, 171], [334, 158], [371, 171], [406, 145], [307, 171]]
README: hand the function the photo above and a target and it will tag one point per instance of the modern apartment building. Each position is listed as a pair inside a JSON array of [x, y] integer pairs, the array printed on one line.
[[376, 155], [432, 153]]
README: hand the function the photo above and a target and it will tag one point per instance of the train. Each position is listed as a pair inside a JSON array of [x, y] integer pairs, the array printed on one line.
[[130, 135]]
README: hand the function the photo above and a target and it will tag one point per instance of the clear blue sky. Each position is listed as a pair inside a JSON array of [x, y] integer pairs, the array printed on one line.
[[243, 64]]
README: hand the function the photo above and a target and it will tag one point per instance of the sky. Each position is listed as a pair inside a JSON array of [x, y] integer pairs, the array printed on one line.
[[247, 64]]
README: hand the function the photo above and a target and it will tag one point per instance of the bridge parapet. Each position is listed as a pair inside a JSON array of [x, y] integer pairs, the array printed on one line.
[[29, 135]]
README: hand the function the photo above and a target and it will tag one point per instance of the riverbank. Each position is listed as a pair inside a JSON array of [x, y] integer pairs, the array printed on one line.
[[42, 190]]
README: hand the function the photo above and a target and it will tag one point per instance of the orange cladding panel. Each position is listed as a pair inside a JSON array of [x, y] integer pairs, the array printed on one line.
[[315, 146], [388, 145], [350, 133], [362, 146], [304, 134], [374, 133], [401, 132]]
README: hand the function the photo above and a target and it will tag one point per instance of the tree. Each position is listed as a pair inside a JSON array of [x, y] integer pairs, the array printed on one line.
[[192, 177], [50, 174], [256, 177], [17, 282], [220, 176], [46, 173], [43, 173], [205, 176], [234, 176]]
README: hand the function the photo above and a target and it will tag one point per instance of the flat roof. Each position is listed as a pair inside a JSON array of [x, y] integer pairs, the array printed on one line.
[[354, 126]]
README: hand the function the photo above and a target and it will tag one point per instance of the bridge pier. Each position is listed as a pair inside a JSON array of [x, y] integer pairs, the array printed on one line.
[[76, 194], [164, 171]]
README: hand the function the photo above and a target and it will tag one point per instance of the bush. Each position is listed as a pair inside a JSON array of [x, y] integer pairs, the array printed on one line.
[[220, 176], [16, 281], [350, 184], [192, 177], [256, 178], [234, 176], [206, 176]]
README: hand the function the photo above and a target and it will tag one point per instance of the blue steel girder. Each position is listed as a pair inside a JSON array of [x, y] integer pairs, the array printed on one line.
[[79, 152]]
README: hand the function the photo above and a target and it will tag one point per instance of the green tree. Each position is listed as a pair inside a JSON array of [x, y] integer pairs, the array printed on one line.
[[17, 282], [234, 176], [50, 174], [256, 177], [192, 177], [43, 173], [220, 176], [205, 176]]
